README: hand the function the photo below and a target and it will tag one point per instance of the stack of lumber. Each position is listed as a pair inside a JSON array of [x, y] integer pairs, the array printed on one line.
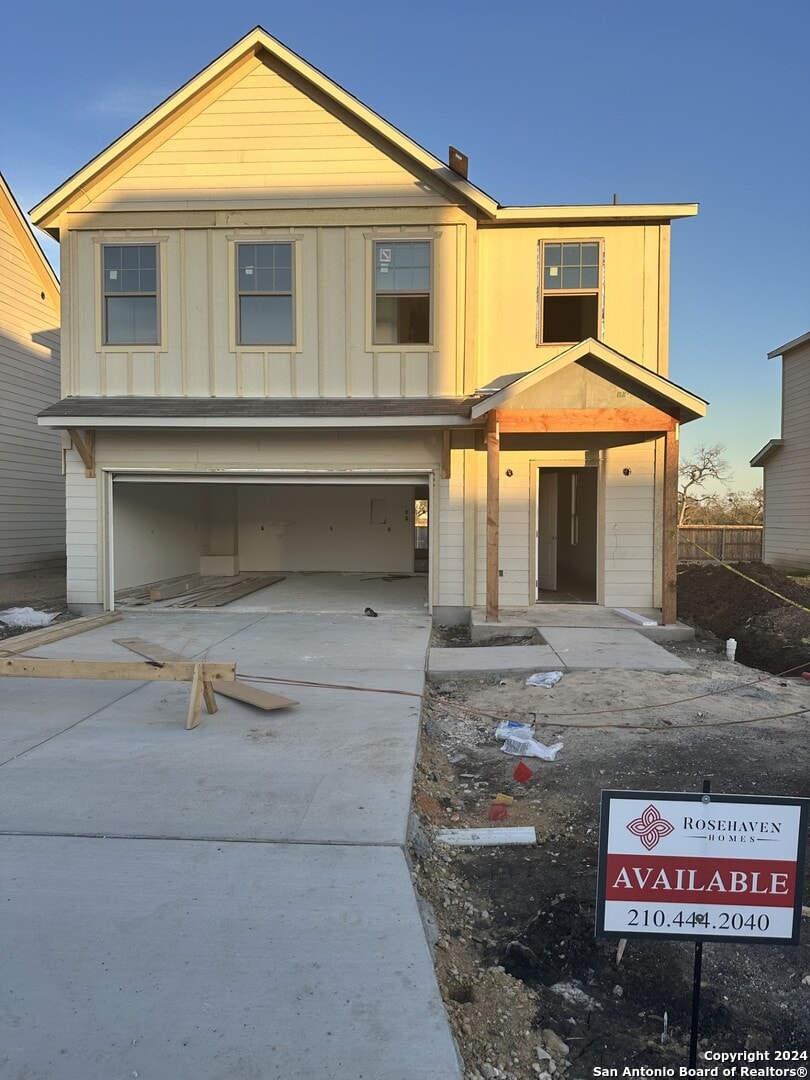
[[197, 590]]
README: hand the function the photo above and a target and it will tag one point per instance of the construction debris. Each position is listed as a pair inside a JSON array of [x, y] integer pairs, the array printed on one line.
[[24, 642]]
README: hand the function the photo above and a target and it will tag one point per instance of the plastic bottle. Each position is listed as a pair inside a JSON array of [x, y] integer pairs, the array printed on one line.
[[731, 648]]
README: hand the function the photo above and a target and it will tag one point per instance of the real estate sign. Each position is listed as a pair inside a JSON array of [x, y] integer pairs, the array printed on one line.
[[715, 867]]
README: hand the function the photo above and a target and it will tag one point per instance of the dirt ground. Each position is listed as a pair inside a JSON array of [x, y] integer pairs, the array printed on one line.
[[529, 989]]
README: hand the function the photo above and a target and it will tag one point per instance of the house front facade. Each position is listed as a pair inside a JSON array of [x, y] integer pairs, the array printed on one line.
[[785, 464], [289, 331]]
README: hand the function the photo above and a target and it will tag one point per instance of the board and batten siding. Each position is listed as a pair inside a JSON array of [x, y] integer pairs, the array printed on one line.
[[786, 535], [32, 490], [333, 356]]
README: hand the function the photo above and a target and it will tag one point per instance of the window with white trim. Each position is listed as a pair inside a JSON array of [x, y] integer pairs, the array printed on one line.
[[130, 273], [570, 281], [402, 292], [264, 294]]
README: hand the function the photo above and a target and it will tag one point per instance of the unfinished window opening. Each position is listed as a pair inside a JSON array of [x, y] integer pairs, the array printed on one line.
[[130, 294], [402, 292], [569, 291]]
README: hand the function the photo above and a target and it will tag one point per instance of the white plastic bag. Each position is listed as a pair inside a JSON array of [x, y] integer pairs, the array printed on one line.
[[531, 748], [512, 729], [25, 618], [545, 678]]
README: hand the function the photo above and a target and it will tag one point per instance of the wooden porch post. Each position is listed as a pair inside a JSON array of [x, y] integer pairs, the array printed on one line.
[[669, 561], [493, 444]]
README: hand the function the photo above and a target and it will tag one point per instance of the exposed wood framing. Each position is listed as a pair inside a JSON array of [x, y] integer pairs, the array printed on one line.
[[86, 449], [250, 695], [445, 454], [669, 560], [202, 676], [586, 420], [493, 515]]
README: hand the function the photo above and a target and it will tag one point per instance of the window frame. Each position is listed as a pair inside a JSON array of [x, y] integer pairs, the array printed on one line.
[[597, 290], [402, 346], [105, 243], [292, 243]]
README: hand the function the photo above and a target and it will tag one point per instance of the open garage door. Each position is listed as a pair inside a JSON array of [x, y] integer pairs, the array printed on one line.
[[165, 525]]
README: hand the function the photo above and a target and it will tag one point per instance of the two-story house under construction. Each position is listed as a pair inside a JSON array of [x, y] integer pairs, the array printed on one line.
[[287, 326]]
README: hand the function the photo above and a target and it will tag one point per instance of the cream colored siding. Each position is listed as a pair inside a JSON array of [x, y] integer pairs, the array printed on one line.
[[635, 307], [32, 506], [84, 542], [786, 536], [264, 142], [629, 518], [333, 355]]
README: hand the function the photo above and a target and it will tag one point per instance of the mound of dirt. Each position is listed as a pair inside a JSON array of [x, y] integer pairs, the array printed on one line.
[[772, 634]]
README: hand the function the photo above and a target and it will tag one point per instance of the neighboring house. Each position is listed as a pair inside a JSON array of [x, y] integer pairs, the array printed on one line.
[[785, 465], [286, 323], [32, 488]]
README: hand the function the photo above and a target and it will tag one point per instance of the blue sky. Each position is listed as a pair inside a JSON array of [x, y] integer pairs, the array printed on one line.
[[553, 103]]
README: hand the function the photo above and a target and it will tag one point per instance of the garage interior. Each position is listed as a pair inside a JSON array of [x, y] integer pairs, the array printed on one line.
[[338, 544]]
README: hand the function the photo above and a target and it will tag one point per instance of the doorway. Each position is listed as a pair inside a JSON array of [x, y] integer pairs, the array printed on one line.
[[567, 500]]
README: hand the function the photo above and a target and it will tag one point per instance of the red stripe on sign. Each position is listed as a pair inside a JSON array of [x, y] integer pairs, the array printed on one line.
[[686, 879]]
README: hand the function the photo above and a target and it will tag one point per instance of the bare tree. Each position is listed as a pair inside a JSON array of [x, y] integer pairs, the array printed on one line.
[[706, 463]]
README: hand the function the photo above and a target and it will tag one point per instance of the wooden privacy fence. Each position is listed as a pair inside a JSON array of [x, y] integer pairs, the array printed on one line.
[[731, 543]]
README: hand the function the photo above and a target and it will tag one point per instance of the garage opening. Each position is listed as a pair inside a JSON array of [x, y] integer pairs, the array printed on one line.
[[167, 527]]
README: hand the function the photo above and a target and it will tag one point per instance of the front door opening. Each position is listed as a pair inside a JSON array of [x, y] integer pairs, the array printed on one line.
[[566, 535]]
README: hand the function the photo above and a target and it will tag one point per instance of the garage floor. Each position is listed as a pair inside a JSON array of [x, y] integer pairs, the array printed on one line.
[[316, 592]]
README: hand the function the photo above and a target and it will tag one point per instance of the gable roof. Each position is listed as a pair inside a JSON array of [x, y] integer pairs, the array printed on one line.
[[688, 406], [10, 210], [254, 44]]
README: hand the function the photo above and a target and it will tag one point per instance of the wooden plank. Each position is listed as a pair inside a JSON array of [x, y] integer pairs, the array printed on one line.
[[584, 420], [493, 515], [669, 558], [121, 670], [208, 697], [195, 699], [23, 642], [446, 472], [168, 590], [250, 695], [234, 592]]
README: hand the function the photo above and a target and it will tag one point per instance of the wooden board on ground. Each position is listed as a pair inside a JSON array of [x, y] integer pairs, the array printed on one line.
[[234, 592], [34, 667], [47, 634], [250, 695]]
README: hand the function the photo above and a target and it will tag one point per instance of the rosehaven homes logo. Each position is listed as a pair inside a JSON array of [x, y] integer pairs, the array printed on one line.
[[650, 827], [703, 865]]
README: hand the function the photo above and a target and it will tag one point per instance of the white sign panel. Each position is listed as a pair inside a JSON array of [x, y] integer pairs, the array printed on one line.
[[716, 867]]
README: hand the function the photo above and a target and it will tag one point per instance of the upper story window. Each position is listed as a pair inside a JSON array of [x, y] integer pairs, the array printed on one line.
[[130, 294], [264, 286], [402, 292], [569, 290]]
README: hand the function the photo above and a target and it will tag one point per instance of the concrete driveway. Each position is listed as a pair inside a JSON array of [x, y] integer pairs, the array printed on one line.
[[229, 902]]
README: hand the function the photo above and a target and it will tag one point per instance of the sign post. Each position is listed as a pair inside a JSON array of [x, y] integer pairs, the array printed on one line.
[[700, 866]]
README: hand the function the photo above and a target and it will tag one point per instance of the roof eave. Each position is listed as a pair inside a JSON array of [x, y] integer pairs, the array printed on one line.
[[766, 453], [662, 212], [796, 343]]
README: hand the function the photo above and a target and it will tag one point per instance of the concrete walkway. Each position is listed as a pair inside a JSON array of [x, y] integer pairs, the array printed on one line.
[[224, 903]]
